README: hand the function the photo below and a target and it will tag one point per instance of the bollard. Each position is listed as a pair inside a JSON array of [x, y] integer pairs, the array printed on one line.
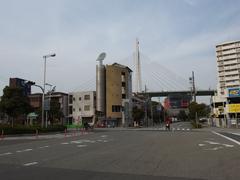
[[2, 134], [65, 133], [36, 134]]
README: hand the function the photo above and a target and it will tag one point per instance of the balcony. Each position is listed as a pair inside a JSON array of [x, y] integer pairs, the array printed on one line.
[[230, 62]]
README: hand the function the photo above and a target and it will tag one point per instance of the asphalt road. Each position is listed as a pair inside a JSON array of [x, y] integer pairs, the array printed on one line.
[[123, 154]]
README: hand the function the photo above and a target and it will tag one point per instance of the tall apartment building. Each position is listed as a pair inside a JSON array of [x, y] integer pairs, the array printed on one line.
[[82, 107], [228, 62], [226, 103], [119, 94]]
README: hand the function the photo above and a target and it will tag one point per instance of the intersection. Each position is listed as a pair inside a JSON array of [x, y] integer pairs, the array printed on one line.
[[123, 154]]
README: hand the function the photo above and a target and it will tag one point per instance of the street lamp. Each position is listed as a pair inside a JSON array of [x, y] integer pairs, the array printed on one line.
[[52, 90], [44, 83]]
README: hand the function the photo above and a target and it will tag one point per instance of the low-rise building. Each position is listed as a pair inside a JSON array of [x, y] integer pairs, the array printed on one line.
[[82, 107], [59, 98]]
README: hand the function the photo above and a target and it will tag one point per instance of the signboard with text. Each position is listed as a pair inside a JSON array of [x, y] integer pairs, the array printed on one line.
[[234, 92], [234, 108]]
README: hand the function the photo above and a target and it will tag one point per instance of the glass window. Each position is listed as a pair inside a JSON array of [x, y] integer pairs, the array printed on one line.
[[87, 108], [87, 97]]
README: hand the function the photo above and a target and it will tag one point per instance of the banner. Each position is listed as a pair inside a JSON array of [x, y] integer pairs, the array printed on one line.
[[233, 108]]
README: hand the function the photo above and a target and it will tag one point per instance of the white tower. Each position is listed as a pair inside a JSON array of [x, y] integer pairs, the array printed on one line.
[[138, 77]]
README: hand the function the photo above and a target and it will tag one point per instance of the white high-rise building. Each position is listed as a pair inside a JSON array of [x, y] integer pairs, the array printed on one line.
[[226, 103], [228, 62]]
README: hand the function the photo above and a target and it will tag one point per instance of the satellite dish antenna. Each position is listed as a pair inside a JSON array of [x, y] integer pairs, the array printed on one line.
[[101, 57]]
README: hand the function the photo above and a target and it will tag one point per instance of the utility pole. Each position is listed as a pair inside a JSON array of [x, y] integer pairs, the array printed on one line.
[[145, 107], [194, 87]]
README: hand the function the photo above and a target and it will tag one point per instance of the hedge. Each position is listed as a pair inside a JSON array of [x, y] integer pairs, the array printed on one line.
[[30, 129]]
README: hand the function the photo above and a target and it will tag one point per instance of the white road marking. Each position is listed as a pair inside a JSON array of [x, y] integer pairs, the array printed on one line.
[[43, 147], [201, 144], [77, 142], [211, 142], [103, 136], [228, 138], [214, 149], [82, 145], [173, 129], [30, 164], [24, 150], [183, 129], [188, 129], [88, 141], [5, 154], [228, 145], [178, 129], [105, 141], [65, 143]]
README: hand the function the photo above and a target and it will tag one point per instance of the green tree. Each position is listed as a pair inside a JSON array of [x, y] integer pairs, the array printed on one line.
[[14, 103], [55, 112], [199, 110], [138, 114]]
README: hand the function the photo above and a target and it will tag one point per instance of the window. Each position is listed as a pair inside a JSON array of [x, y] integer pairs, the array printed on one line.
[[123, 96], [116, 108], [87, 97], [70, 99], [87, 108], [73, 98], [73, 109], [79, 109], [80, 98]]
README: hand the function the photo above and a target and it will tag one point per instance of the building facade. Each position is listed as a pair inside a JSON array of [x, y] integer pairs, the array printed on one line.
[[119, 94], [21, 83], [58, 99], [226, 103], [82, 107], [228, 62]]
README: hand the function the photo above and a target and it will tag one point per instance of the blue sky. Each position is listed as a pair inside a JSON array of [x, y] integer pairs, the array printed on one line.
[[178, 34]]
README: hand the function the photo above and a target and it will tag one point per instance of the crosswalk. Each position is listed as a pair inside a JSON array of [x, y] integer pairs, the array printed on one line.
[[164, 129]]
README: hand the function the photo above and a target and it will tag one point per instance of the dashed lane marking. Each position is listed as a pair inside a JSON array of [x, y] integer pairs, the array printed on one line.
[[228, 145], [214, 149], [42, 147], [201, 144], [228, 138], [65, 143], [82, 145], [30, 164], [5, 154], [24, 150], [211, 142]]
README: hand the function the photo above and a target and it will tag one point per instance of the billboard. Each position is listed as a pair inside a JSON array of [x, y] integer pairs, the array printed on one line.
[[234, 92], [233, 108]]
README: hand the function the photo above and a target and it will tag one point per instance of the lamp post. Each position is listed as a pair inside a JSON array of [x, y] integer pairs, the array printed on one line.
[[44, 83], [52, 90]]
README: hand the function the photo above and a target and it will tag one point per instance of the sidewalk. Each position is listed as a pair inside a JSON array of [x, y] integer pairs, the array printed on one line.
[[56, 135], [219, 129]]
